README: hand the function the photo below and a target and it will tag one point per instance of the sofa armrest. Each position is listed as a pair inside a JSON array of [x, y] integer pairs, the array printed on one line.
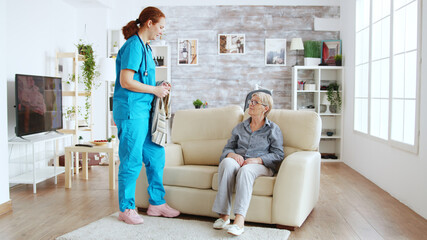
[[173, 155], [296, 189]]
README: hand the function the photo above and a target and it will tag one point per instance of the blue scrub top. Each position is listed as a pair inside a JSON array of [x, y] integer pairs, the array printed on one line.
[[129, 104]]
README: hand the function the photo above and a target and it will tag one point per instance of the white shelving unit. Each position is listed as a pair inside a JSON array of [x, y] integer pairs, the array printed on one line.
[[316, 78], [163, 72], [76, 94], [37, 174], [111, 126], [115, 37]]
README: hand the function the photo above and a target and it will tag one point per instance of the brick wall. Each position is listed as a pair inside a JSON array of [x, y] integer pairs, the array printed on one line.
[[226, 79]]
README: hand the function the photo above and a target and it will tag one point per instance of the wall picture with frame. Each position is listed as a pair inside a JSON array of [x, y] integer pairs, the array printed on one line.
[[275, 52], [188, 52], [231, 44], [330, 48]]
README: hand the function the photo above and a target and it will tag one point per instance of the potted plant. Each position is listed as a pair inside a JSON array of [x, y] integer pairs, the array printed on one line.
[[312, 53], [70, 114], [338, 60], [111, 140], [89, 73], [113, 85], [115, 48], [334, 97], [197, 103], [80, 139], [69, 84]]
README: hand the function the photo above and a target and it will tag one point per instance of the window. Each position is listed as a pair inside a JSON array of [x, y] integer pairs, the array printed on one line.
[[387, 71]]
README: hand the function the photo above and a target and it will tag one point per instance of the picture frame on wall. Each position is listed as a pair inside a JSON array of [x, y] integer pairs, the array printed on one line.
[[330, 48], [188, 52], [231, 44], [275, 52]]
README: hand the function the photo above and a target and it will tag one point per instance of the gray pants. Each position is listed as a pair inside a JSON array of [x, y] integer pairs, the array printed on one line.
[[244, 181]]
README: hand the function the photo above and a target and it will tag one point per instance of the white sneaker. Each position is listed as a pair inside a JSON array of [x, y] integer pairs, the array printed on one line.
[[220, 223], [235, 230]]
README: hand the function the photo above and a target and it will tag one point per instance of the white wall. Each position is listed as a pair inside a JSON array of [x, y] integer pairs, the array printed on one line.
[[36, 31], [400, 173], [96, 24], [4, 169]]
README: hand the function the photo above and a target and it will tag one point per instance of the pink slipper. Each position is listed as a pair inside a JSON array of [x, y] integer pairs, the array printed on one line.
[[162, 210], [130, 216]]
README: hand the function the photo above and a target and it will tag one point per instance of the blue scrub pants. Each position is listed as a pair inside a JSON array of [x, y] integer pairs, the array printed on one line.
[[135, 148]]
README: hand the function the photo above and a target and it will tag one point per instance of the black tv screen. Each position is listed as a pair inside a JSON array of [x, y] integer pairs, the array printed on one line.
[[38, 104]]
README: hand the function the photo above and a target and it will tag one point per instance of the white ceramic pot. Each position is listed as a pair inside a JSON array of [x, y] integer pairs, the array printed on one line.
[[68, 86], [312, 61], [70, 124]]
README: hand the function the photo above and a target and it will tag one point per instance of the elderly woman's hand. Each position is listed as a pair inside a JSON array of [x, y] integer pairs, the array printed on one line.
[[239, 159], [252, 161]]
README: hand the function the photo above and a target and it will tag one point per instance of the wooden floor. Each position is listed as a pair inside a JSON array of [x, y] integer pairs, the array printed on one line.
[[350, 207]]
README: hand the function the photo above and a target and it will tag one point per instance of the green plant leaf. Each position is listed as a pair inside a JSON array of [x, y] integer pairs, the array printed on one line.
[[312, 49]]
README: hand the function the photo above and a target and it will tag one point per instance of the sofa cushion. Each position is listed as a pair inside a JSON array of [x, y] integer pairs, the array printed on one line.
[[189, 176], [205, 124], [263, 186], [203, 133], [203, 152]]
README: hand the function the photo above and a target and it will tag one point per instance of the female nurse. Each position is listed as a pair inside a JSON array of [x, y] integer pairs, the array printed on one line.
[[134, 91]]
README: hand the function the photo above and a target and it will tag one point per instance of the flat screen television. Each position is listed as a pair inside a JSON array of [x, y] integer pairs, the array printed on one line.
[[38, 104]]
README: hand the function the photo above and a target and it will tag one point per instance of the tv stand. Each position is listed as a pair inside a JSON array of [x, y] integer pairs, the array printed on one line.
[[37, 174]]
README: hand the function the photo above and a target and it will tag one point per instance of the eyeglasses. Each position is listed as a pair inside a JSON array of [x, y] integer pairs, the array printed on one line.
[[253, 103]]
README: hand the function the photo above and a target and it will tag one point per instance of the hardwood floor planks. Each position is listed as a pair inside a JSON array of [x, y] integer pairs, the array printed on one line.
[[350, 207]]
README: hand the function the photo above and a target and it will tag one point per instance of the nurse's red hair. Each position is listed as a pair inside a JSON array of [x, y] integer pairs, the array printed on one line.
[[149, 13]]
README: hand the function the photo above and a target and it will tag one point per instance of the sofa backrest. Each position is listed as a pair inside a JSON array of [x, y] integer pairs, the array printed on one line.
[[203, 133], [301, 129]]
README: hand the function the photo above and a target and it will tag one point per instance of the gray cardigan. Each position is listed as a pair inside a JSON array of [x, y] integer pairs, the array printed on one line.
[[266, 143]]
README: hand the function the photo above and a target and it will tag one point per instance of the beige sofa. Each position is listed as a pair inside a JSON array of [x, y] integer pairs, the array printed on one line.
[[191, 178]]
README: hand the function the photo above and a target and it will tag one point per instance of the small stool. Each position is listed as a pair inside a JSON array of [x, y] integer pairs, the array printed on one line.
[[85, 151]]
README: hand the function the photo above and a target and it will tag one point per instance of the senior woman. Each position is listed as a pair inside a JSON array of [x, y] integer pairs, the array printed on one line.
[[254, 149]]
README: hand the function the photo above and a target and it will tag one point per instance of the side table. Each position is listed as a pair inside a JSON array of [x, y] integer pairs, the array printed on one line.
[[85, 151]]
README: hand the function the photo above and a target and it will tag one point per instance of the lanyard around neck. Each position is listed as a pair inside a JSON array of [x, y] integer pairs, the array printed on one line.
[[145, 55]]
